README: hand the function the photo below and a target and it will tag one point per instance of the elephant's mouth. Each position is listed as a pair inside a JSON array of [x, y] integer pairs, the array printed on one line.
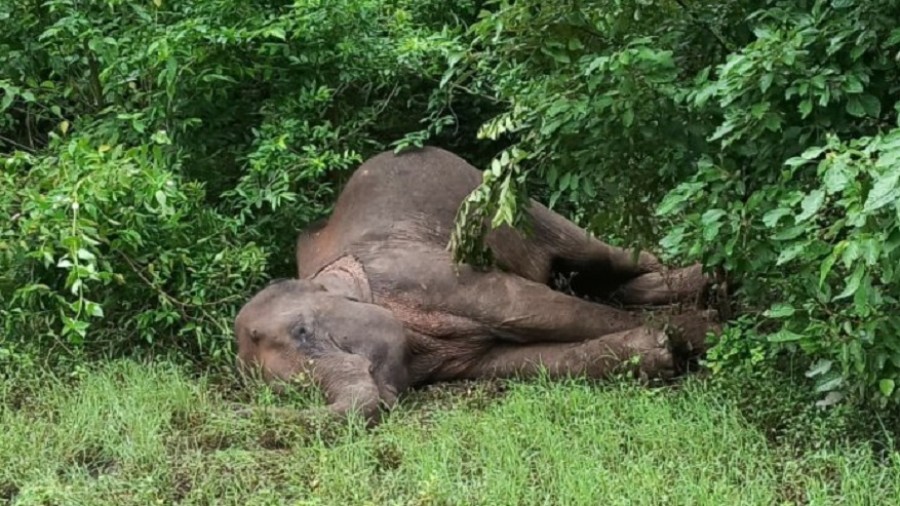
[[346, 276]]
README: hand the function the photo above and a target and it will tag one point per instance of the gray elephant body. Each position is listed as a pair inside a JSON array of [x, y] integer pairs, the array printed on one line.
[[379, 306]]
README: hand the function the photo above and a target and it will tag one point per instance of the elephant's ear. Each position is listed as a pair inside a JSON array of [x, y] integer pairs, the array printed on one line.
[[346, 277]]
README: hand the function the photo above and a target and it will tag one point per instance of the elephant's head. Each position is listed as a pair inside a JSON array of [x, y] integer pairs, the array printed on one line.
[[292, 324]]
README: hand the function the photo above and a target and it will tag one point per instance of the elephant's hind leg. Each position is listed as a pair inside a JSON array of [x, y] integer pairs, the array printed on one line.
[[687, 285], [555, 245], [643, 351]]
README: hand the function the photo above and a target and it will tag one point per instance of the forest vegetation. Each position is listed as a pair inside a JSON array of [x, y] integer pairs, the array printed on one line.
[[158, 158]]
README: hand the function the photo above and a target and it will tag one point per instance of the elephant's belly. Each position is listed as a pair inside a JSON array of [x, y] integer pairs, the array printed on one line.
[[434, 360], [442, 346]]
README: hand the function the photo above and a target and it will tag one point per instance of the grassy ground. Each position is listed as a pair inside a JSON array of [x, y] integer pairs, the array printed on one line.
[[130, 433]]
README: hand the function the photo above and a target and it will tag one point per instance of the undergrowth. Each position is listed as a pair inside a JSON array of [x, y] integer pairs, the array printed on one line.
[[130, 432]]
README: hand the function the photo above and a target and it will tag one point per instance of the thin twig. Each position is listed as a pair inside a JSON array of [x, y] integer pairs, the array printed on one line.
[[153, 285], [172, 299], [183, 307], [16, 144]]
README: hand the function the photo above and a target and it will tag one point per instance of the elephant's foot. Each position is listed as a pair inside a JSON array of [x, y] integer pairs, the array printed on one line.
[[643, 351], [688, 285], [688, 332]]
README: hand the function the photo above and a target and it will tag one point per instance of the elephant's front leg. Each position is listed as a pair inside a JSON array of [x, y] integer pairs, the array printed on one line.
[[642, 351]]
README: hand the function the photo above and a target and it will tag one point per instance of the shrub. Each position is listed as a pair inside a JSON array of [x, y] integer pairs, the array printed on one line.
[[159, 158], [757, 137]]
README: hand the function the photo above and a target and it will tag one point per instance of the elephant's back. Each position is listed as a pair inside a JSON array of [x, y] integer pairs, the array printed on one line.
[[390, 186], [412, 196]]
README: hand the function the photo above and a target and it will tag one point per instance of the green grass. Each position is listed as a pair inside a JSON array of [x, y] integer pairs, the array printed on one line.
[[130, 433]]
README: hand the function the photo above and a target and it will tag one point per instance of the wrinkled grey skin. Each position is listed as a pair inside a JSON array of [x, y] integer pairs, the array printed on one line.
[[379, 307]]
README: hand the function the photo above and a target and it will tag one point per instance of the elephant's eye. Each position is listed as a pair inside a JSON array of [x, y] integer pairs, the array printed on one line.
[[352, 299], [301, 331]]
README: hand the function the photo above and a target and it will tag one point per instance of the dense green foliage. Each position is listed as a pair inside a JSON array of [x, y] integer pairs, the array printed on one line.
[[757, 137], [159, 157]]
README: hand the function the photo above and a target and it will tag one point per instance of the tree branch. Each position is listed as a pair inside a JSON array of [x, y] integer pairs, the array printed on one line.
[[706, 26]]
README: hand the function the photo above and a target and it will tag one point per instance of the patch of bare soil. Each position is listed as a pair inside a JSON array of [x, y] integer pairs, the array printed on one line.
[[8, 492], [94, 460]]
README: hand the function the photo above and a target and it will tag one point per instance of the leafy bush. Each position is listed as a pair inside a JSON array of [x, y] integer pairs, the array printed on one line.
[[756, 137], [159, 158], [113, 233], [800, 202]]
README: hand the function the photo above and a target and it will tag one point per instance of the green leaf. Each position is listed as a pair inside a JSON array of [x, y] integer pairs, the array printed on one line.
[[821, 367], [852, 283], [790, 233], [871, 105], [497, 169], [791, 253], [871, 249], [766, 82], [826, 266], [723, 130], [780, 310], [772, 122], [805, 108], [759, 110], [852, 85], [711, 223], [784, 336], [837, 177], [712, 216], [813, 152], [830, 384], [7, 100], [94, 309], [862, 297], [886, 386], [771, 218], [161, 198], [855, 107], [851, 253], [628, 117], [673, 240], [708, 91], [676, 198], [811, 205], [884, 191], [171, 70], [76, 286]]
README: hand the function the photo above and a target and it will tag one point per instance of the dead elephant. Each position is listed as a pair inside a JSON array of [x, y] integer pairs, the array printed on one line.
[[379, 307]]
